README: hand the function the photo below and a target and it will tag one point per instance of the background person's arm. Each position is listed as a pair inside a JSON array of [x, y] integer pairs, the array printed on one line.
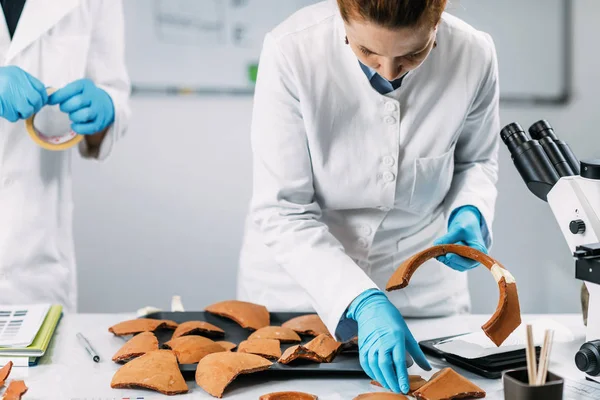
[[106, 68]]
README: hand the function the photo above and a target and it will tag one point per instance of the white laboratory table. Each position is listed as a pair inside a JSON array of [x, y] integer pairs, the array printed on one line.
[[67, 371]]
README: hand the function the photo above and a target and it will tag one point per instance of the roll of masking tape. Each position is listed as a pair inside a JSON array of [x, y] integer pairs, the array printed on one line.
[[51, 129]]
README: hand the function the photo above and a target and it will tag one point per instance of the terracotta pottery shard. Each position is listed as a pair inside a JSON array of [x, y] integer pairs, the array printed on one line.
[[191, 349], [157, 370], [290, 354], [228, 346], [381, 396], [324, 346], [198, 328], [5, 372], [216, 371], [288, 396], [310, 324], [15, 390], [284, 335], [321, 349], [139, 325], [247, 315], [415, 382], [350, 345], [137, 346], [507, 316], [267, 348], [447, 384]]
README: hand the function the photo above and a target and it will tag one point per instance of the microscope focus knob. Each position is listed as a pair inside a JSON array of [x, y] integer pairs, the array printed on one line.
[[587, 358], [577, 226], [590, 169]]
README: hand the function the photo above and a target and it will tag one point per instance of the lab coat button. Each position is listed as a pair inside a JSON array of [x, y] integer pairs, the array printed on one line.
[[363, 264], [362, 242], [388, 176], [390, 120], [7, 182], [390, 106], [365, 230], [388, 161]]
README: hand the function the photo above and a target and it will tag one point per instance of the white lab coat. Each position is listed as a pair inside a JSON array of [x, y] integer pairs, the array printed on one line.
[[348, 183], [58, 42]]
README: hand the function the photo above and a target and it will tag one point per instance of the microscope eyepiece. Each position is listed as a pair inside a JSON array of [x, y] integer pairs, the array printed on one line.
[[560, 153], [513, 136], [542, 129], [530, 159]]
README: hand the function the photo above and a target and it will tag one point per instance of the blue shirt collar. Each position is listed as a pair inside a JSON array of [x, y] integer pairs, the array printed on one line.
[[370, 72]]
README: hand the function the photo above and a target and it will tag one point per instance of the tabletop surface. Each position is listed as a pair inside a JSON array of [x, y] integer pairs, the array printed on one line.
[[68, 372]]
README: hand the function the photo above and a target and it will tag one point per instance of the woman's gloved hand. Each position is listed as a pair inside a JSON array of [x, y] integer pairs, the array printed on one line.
[[464, 228], [383, 340], [21, 95]]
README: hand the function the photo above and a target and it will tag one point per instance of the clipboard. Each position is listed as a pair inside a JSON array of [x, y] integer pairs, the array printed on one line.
[[490, 367]]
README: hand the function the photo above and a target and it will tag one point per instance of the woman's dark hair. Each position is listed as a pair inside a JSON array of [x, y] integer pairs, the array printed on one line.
[[393, 13]]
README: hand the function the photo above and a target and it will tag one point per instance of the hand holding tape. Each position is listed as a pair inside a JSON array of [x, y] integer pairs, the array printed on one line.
[[21, 95], [51, 129]]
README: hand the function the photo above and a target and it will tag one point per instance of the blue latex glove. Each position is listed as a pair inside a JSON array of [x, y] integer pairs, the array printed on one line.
[[383, 339], [21, 95], [90, 108], [464, 227]]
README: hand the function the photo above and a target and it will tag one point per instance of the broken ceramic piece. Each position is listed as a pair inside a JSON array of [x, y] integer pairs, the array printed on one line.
[[449, 385], [15, 390], [247, 315], [267, 348], [290, 354], [138, 345], [324, 346], [507, 316], [228, 346], [201, 328], [415, 382], [310, 324], [381, 396], [321, 349], [5, 372], [191, 349], [140, 325], [216, 371], [288, 396], [284, 335], [157, 370]]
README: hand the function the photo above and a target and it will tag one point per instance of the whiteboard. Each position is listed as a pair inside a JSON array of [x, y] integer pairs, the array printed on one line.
[[213, 46], [199, 44], [532, 41]]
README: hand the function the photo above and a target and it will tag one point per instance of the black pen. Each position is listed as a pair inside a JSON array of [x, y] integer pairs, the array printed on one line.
[[88, 347]]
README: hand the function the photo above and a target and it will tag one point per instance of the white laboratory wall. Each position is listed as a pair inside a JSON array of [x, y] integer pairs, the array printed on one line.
[[164, 215]]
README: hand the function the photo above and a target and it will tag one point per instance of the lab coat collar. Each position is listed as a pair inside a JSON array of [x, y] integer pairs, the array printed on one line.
[[38, 16]]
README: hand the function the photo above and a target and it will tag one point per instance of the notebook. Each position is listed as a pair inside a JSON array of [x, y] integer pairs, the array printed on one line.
[[19, 324], [30, 354]]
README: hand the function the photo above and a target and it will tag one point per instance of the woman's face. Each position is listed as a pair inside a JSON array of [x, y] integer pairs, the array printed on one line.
[[391, 52]]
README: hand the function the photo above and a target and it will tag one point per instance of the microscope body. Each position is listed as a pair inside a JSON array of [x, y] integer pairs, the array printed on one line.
[[572, 190]]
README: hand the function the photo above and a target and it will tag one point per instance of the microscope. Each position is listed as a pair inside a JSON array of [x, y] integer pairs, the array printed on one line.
[[572, 189]]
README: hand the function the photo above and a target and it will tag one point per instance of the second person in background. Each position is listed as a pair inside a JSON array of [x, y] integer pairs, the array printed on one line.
[[374, 136], [76, 47]]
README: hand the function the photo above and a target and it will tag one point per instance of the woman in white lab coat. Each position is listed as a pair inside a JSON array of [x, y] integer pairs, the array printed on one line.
[[374, 135], [77, 47]]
